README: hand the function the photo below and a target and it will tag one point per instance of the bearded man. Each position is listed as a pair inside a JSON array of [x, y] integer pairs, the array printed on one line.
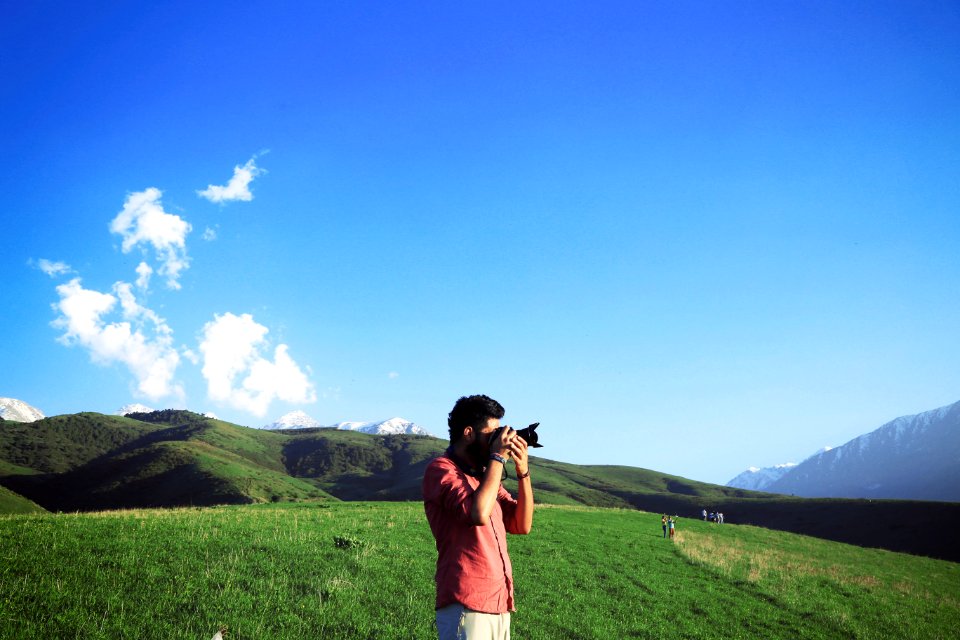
[[470, 514]]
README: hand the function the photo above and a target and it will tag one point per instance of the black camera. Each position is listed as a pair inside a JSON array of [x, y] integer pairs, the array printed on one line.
[[528, 434]]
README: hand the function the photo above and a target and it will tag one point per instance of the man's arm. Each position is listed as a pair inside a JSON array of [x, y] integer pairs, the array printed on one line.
[[486, 494], [523, 515]]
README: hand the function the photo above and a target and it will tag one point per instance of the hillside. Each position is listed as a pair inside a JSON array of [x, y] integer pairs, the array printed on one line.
[[91, 461], [12, 503], [365, 570]]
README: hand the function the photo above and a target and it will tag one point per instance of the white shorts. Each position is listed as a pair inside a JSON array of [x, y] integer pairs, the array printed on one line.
[[456, 622]]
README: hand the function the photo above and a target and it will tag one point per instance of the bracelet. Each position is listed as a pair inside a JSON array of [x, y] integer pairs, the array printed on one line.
[[498, 458], [524, 475]]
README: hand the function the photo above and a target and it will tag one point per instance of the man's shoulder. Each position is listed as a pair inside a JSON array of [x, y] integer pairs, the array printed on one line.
[[440, 465], [442, 460]]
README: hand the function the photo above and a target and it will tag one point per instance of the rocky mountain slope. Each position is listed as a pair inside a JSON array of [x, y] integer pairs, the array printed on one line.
[[913, 457]]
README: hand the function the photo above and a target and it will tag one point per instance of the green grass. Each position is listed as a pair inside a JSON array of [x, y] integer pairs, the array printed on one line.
[[364, 570]]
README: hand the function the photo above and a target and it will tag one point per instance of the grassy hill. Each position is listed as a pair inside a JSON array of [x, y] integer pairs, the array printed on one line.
[[365, 570], [11, 502], [90, 461]]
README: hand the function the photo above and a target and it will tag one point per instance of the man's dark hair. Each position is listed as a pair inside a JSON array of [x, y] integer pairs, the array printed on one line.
[[472, 411]]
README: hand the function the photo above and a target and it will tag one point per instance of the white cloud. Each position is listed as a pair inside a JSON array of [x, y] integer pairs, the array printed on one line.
[[239, 186], [239, 376], [144, 271], [152, 360], [393, 375], [209, 234], [143, 221], [53, 269]]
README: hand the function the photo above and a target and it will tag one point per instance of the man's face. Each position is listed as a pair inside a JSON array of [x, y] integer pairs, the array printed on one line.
[[479, 447]]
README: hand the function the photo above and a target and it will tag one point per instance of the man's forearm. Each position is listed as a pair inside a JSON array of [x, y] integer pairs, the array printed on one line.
[[523, 516], [486, 494]]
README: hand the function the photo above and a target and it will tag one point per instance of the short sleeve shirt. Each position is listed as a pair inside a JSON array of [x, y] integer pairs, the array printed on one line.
[[473, 567]]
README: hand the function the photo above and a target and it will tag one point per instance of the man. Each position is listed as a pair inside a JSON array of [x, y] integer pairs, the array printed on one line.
[[470, 514]]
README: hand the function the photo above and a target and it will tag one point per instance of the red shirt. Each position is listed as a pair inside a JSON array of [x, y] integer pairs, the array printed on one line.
[[473, 567]]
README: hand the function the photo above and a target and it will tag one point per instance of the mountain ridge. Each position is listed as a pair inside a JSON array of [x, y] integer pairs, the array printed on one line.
[[91, 461], [392, 426], [911, 457], [757, 478]]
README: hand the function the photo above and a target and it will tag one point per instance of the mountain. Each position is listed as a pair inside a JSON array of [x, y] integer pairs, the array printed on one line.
[[19, 411], [757, 479], [393, 426], [913, 457], [133, 408], [293, 420], [91, 462]]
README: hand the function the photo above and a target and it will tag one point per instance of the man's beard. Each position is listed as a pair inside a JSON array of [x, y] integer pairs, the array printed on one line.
[[478, 451]]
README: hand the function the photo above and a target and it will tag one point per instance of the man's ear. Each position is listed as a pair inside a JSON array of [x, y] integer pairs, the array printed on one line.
[[468, 434]]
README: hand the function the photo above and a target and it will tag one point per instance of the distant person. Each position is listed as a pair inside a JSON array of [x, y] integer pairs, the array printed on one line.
[[672, 523], [663, 521], [720, 517], [470, 514], [704, 515]]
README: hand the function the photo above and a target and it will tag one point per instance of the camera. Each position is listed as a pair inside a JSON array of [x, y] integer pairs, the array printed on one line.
[[529, 435]]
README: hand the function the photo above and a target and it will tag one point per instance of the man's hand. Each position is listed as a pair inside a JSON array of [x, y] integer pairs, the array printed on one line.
[[522, 520], [517, 447], [500, 445]]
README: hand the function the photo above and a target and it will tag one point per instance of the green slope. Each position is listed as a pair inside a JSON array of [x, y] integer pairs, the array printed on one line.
[[182, 459], [11, 502], [62, 443]]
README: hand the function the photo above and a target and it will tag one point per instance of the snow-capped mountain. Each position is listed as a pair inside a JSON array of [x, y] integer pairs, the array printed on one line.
[[393, 426], [133, 408], [293, 420], [19, 411], [913, 457], [757, 479]]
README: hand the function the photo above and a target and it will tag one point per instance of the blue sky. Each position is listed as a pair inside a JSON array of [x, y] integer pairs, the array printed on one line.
[[682, 236]]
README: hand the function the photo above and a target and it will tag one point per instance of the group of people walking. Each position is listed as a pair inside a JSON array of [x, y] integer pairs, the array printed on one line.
[[713, 516]]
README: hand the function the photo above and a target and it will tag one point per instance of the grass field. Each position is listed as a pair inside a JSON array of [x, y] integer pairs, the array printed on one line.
[[365, 570]]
